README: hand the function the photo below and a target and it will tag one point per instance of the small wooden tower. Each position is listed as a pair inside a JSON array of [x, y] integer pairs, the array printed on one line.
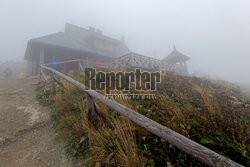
[[176, 62]]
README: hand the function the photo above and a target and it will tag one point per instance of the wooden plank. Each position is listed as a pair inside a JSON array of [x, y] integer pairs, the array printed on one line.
[[192, 148], [63, 62], [86, 62]]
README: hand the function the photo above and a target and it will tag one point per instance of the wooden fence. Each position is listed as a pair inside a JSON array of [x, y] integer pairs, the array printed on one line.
[[192, 148]]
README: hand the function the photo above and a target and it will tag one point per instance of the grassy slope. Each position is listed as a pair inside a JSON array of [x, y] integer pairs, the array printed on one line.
[[215, 114]]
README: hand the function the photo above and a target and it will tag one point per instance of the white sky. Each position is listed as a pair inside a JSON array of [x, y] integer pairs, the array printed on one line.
[[214, 33]]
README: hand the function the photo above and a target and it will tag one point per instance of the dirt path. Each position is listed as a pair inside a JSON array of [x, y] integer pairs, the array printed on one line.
[[27, 137]]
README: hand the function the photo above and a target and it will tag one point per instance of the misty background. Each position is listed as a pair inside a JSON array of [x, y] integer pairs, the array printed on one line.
[[214, 33]]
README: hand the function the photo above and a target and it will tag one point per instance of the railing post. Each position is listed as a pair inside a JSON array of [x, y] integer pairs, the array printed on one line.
[[79, 65], [90, 110], [39, 74], [43, 75], [53, 88]]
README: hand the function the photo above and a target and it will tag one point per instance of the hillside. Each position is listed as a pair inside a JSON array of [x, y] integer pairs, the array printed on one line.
[[212, 113]]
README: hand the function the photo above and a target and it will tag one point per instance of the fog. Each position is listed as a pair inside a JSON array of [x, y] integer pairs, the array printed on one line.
[[214, 33]]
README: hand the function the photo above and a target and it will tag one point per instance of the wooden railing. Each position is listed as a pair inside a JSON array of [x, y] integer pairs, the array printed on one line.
[[192, 148]]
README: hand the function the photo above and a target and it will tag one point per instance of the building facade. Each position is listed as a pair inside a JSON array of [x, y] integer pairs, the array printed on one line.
[[74, 43]]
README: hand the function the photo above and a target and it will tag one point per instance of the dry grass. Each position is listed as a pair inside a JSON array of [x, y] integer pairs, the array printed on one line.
[[112, 146], [202, 110]]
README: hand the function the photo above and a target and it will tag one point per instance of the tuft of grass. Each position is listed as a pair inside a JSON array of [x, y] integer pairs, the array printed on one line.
[[114, 146]]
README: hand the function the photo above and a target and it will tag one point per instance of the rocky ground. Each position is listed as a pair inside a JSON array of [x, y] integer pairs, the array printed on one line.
[[27, 137]]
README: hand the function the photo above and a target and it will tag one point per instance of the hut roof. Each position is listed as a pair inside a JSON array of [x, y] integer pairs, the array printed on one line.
[[176, 56]]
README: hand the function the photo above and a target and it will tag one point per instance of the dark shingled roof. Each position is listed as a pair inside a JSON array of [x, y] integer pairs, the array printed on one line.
[[62, 40], [77, 38], [176, 56]]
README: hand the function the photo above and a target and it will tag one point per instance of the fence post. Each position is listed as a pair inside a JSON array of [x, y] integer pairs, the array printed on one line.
[[90, 110], [39, 74], [53, 88], [79, 65], [43, 75]]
